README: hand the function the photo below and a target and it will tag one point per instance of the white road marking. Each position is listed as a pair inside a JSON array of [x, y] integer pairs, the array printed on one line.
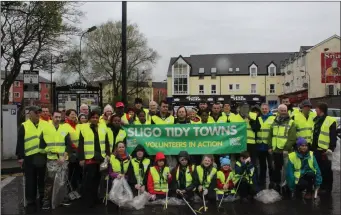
[[6, 181]]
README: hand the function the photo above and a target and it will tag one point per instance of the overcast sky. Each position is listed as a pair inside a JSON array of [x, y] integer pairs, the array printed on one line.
[[174, 28]]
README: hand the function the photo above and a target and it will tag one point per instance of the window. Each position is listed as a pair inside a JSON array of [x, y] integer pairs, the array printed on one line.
[[16, 95], [230, 69], [201, 77], [180, 77], [237, 69], [253, 89], [201, 89], [47, 96], [47, 85], [272, 88], [213, 89], [213, 70], [237, 87], [253, 70], [302, 61], [272, 71], [201, 70], [17, 83], [230, 87]]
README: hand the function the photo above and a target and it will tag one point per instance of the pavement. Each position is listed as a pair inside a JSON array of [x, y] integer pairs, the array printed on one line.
[[12, 195]]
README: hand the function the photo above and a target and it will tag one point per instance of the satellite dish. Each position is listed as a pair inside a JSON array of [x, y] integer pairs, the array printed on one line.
[[305, 85], [287, 84], [288, 72]]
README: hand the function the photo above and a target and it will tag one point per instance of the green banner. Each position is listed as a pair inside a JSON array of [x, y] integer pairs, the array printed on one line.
[[221, 138]]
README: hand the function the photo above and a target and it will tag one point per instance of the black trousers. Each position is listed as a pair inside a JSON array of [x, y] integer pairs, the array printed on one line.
[[75, 175], [306, 182], [34, 169], [91, 184], [253, 151], [326, 170], [278, 165], [265, 162], [245, 188]]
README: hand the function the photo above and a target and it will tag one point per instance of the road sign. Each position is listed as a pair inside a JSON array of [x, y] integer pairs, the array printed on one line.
[[31, 84]]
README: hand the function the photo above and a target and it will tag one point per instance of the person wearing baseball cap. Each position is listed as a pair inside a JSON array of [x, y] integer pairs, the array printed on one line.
[[303, 172], [120, 112]]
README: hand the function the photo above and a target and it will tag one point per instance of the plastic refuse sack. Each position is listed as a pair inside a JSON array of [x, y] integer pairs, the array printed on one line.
[[268, 196], [138, 202], [336, 156], [104, 165], [231, 198], [59, 191], [283, 175], [171, 201], [120, 192]]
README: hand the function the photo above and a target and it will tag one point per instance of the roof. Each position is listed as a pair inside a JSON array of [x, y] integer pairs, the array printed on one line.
[[222, 63], [159, 85], [20, 77], [305, 48], [324, 41]]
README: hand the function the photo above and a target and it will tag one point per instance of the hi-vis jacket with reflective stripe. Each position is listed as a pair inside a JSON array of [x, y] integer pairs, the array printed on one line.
[[304, 126], [263, 134], [118, 166], [160, 179], [55, 140], [246, 173], [251, 136], [221, 119], [282, 135], [231, 115], [200, 171], [32, 137], [324, 137], [74, 133], [120, 137], [159, 121], [89, 140], [223, 180]]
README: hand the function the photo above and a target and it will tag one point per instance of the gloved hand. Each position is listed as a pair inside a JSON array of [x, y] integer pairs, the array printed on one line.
[[152, 197], [137, 186], [329, 152], [142, 189], [205, 192]]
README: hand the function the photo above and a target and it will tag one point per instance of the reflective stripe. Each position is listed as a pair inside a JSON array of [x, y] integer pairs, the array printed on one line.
[[31, 149], [284, 137], [250, 138], [31, 138], [102, 142], [88, 153], [323, 142], [324, 133], [303, 129], [250, 129], [88, 142], [265, 130], [56, 144]]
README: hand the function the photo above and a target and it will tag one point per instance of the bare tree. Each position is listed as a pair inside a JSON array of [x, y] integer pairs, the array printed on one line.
[[31, 31]]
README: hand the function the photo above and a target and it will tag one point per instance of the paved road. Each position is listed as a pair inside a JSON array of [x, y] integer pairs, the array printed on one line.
[[11, 203]]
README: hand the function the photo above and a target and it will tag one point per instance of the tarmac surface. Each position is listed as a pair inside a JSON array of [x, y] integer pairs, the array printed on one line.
[[12, 203]]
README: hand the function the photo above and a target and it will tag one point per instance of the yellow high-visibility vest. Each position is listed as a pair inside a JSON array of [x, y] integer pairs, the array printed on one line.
[[248, 177], [188, 175], [159, 121], [304, 127], [55, 141], [280, 134], [263, 134], [251, 136], [160, 183], [136, 167], [221, 119], [324, 139], [89, 140], [116, 165], [296, 161], [221, 177], [32, 137], [119, 138], [200, 172]]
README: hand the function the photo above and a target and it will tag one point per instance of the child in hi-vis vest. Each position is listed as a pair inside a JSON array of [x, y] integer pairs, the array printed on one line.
[[159, 178], [225, 186]]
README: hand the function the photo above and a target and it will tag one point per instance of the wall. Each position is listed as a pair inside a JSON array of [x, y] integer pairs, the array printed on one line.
[[169, 87], [159, 94], [317, 89]]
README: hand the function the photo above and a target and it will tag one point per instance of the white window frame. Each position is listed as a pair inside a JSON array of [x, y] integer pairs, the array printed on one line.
[[272, 91], [213, 92], [202, 92], [235, 87], [237, 69], [230, 69], [17, 83], [213, 70], [182, 75], [269, 70], [201, 70], [253, 66], [16, 93], [251, 91], [232, 87]]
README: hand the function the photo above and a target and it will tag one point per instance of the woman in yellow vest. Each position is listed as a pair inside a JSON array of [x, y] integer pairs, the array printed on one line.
[[107, 112], [205, 178], [119, 162], [204, 114], [183, 183], [82, 118], [303, 172], [159, 178], [115, 132], [225, 186], [92, 149], [141, 119], [245, 177], [193, 116], [138, 170]]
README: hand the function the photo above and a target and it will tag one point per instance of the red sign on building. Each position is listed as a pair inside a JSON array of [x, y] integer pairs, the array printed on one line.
[[331, 67]]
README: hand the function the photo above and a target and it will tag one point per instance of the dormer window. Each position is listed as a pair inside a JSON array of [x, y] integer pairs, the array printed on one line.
[[253, 70], [213, 70], [272, 70], [180, 77], [201, 70]]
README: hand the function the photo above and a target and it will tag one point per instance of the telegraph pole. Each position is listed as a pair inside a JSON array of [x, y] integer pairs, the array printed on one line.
[[124, 53]]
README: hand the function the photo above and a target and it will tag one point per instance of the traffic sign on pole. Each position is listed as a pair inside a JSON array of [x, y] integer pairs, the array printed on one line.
[[31, 84]]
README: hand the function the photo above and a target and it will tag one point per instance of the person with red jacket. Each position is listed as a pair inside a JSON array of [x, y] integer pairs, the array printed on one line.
[[159, 178], [225, 178]]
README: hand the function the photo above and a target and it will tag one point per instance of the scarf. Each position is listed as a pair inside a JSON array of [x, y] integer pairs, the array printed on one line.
[[71, 123], [266, 116], [45, 118]]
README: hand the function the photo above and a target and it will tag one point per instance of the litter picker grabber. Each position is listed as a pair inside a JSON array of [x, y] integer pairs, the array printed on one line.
[[183, 198], [105, 199], [166, 204], [234, 196]]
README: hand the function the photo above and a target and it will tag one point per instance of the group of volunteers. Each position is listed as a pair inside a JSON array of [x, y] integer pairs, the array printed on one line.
[[86, 140]]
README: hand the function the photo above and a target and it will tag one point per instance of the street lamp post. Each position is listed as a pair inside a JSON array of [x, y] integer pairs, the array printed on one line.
[[80, 50]]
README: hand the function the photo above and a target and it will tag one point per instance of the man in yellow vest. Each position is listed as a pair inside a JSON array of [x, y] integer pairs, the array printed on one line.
[[304, 121], [291, 110], [227, 111], [265, 159], [115, 132], [138, 106], [303, 172], [163, 116], [216, 116], [120, 112], [57, 143], [324, 142], [30, 157], [282, 137]]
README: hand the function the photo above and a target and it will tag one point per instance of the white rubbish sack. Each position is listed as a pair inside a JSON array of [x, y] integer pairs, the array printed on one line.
[[138, 202], [336, 156], [268, 196], [171, 201], [59, 191], [120, 192]]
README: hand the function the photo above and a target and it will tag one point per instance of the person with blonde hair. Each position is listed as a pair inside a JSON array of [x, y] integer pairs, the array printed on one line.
[[107, 112]]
